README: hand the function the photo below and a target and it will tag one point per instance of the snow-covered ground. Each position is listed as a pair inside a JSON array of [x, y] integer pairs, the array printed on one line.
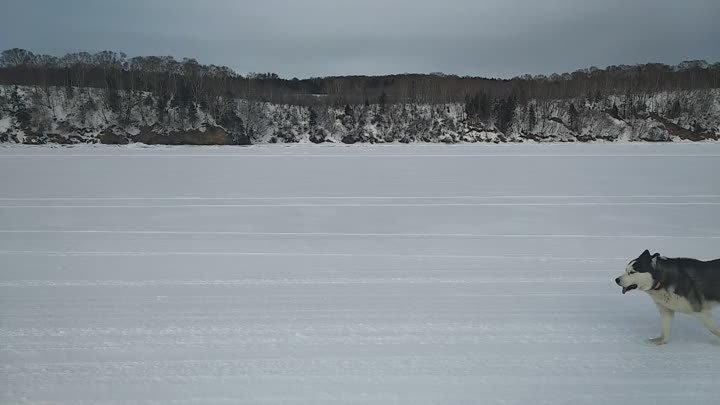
[[395, 274]]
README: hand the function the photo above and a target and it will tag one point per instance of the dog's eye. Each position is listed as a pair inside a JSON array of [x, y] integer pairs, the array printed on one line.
[[632, 272]]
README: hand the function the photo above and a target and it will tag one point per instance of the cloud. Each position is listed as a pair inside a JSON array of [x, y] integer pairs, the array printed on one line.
[[336, 37]]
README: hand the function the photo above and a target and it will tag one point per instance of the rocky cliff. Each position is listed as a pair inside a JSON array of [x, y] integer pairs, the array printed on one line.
[[67, 115]]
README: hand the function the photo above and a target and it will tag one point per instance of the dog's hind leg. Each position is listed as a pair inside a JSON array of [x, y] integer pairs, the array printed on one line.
[[666, 316], [707, 320]]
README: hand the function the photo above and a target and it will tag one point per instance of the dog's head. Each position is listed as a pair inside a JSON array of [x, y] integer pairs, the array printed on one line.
[[638, 274]]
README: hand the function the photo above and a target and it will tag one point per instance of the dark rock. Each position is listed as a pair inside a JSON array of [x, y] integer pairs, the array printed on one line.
[[316, 138], [109, 137], [211, 136], [697, 134]]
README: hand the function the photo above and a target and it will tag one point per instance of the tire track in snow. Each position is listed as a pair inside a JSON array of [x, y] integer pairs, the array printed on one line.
[[454, 197], [296, 254], [285, 281], [373, 205], [352, 234]]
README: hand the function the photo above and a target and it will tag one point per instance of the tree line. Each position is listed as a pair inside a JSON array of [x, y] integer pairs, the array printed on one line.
[[186, 82]]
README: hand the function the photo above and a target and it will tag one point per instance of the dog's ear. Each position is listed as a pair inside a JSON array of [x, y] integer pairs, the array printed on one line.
[[645, 255]]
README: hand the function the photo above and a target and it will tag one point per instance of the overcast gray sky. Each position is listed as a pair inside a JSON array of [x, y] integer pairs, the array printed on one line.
[[304, 38]]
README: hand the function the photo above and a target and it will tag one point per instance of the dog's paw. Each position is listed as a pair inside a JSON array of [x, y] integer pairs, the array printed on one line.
[[657, 341]]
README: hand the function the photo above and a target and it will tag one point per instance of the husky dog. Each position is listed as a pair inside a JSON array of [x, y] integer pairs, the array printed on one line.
[[682, 285]]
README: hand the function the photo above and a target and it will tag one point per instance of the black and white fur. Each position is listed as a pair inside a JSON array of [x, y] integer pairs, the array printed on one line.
[[682, 285]]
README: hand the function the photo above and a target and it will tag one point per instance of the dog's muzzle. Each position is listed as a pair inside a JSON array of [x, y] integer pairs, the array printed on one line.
[[625, 289], [628, 288]]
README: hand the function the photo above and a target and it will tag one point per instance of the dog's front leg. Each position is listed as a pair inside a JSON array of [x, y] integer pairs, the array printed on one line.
[[666, 317], [707, 320]]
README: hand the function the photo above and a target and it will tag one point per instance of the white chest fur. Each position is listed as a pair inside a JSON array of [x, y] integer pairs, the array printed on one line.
[[670, 300]]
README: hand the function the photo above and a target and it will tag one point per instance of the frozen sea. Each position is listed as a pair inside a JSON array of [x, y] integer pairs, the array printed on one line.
[[403, 274]]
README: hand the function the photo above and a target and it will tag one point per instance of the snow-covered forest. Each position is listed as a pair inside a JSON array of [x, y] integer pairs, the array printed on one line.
[[110, 98]]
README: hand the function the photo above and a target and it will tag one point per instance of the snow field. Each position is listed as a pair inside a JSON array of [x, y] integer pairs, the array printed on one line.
[[395, 274]]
